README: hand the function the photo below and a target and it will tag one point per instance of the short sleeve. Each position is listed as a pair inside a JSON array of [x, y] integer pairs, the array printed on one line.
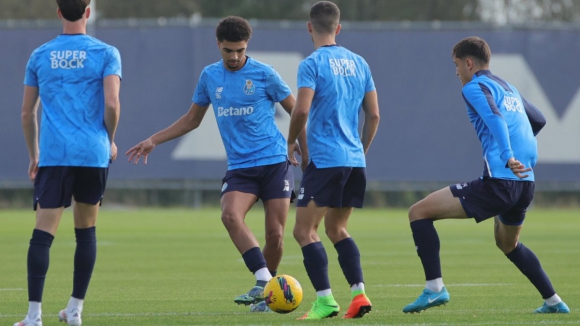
[[276, 88], [307, 74], [370, 84], [113, 63], [200, 96], [30, 77]]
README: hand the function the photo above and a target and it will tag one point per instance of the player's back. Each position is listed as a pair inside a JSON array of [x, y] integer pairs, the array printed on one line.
[[69, 72], [503, 100], [340, 80]]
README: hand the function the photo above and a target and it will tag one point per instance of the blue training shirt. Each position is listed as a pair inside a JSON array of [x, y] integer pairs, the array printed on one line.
[[340, 79], [244, 105], [506, 124], [68, 72]]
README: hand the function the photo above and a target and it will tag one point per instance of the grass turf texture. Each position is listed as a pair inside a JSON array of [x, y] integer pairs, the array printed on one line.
[[178, 267]]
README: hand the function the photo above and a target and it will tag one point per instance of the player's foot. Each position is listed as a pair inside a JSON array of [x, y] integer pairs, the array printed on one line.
[[36, 321], [559, 308], [261, 306], [255, 295], [323, 307], [428, 299], [72, 318], [359, 306]]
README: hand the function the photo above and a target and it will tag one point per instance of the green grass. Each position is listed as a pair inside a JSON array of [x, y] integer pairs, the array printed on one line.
[[178, 267]]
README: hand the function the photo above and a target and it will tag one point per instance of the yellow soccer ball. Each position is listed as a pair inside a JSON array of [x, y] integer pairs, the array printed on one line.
[[283, 294]]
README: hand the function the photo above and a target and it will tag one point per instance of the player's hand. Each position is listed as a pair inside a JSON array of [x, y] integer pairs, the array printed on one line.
[[32, 169], [291, 156], [518, 168], [113, 152], [142, 149]]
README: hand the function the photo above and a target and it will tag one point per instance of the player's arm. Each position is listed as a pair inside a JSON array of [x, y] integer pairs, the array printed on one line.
[[288, 104], [298, 119], [30, 127], [476, 96], [370, 107], [111, 86], [188, 122], [536, 118]]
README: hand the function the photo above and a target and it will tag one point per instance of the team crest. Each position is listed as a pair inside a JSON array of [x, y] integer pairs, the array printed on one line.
[[249, 88], [218, 92]]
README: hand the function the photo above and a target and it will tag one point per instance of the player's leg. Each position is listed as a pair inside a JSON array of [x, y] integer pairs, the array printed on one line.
[[276, 191], [51, 195], [88, 190], [440, 204], [235, 205], [319, 189], [507, 230]]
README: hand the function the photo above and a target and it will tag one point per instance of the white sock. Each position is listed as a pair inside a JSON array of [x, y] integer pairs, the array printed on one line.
[[553, 300], [323, 293], [263, 274], [358, 286], [74, 303], [34, 309], [435, 285]]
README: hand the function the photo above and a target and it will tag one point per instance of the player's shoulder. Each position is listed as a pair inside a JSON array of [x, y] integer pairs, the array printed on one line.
[[216, 66], [259, 65]]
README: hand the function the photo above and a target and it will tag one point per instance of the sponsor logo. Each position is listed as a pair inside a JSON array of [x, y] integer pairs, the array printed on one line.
[[249, 88], [286, 185], [224, 186], [218, 92], [301, 193], [67, 59], [434, 299], [342, 67], [513, 104], [231, 111], [461, 185]]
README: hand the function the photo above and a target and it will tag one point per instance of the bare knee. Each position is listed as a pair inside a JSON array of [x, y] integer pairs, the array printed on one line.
[[506, 246], [230, 220], [274, 239], [336, 234], [416, 212]]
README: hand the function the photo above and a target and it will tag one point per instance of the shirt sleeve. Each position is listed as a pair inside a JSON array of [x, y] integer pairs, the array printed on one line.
[[276, 88], [113, 63], [200, 96], [30, 77], [536, 118], [370, 85], [479, 97], [307, 74]]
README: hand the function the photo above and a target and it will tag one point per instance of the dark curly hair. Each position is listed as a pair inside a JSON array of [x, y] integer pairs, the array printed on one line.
[[233, 29], [73, 10], [474, 47]]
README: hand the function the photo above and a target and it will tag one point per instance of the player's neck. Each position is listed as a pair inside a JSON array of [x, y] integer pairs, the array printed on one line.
[[323, 40], [77, 27]]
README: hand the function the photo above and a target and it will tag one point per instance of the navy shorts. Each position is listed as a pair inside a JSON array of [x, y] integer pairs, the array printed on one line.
[[489, 197], [55, 186], [333, 187], [266, 182]]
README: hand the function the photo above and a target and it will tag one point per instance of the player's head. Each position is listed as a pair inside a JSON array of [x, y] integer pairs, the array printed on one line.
[[470, 55], [324, 18], [233, 34], [73, 10]]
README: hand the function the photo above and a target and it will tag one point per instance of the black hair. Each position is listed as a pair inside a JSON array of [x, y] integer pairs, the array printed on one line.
[[233, 29]]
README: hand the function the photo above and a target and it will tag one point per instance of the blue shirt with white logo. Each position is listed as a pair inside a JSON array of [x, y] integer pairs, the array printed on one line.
[[244, 105], [506, 124], [69, 72], [340, 79]]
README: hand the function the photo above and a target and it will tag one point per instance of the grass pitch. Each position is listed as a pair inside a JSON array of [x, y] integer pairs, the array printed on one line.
[[178, 267]]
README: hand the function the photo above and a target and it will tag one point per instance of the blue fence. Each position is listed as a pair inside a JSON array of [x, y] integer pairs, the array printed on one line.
[[424, 137]]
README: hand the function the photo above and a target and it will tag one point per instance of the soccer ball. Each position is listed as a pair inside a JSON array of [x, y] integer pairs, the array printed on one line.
[[283, 294]]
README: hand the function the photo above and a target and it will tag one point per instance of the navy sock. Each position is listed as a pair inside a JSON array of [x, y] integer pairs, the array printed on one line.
[[427, 245], [527, 262], [316, 263], [273, 273], [37, 263], [349, 260], [254, 259], [85, 257]]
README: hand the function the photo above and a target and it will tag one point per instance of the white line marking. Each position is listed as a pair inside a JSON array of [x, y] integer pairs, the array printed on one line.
[[15, 289]]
